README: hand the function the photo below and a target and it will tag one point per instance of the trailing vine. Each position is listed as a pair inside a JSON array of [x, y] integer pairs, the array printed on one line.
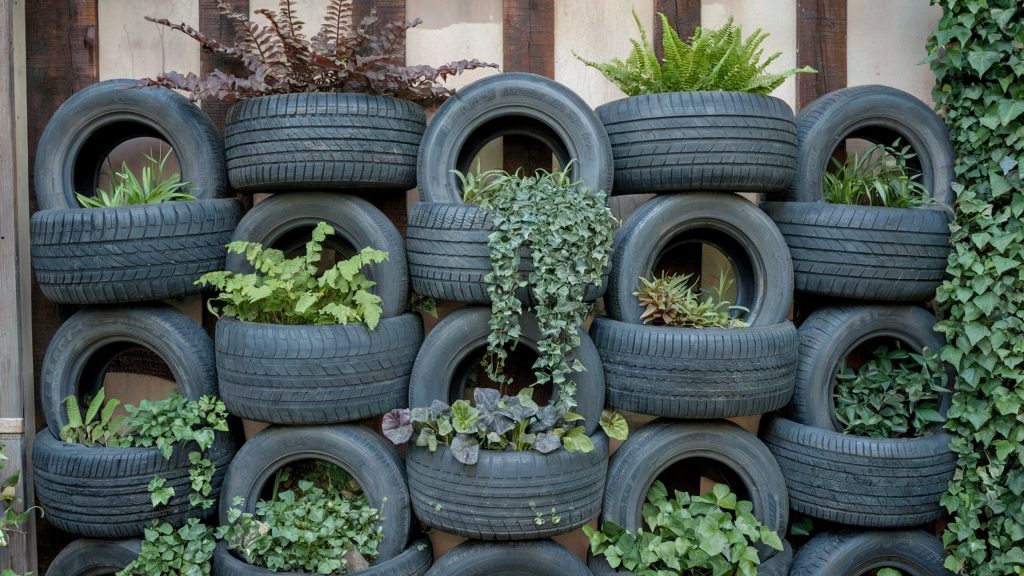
[[976, 56]]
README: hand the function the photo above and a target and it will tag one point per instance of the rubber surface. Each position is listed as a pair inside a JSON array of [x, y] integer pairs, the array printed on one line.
[[696, 372], [94, 557], [533, 558], [504, 493], [322, 140], [316, 374], [91, 123], [701, 141], [413, 561], [912, 552], [130, 253], [511, 104], [82, 349], [858, 481], [864, 252]]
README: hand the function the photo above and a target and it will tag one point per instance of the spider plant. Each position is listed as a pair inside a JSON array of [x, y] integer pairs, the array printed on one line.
[[151, 187], [879, 176]]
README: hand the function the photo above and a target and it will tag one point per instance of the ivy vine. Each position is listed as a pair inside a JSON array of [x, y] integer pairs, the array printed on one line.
[[976, 54]]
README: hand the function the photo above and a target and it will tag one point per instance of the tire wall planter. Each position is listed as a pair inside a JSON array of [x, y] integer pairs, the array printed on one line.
[[912, 552], [701, 141], [94, 557], [323, 140], [413, 561], [90, 124], [504, 493], [533, 558]]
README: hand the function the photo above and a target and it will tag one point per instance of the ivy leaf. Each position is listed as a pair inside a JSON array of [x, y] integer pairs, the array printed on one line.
[[465, 449], [547, 442], [397, 425], [576, 440], [982, 60], [614, 425], [159, 494]]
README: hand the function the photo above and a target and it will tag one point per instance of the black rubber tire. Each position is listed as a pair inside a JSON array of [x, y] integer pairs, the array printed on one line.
[[859, 481], [829, 334], [316, 374], [323, 140], [651, 450], [100, 492], [91, 123], [696, 373], [701, 141], [94, 557], [512, 103], [84, 346], [501, 496], [280, 220], [532, 558], [413, 561], [777, 565], [464, 331], [736, 227], [131, 253], [449, 256], [879, 114], [371, 460], [864, 252], [913, 552]]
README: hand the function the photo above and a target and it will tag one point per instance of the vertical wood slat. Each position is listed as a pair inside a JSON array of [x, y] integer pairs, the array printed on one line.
[[529, 46], [821, 44], [683, 15]]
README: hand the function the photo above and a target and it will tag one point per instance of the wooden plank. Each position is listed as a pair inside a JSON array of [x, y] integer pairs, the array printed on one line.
[[529, 46], [684, 15], [20, 552], [215, 25], [821, 44]]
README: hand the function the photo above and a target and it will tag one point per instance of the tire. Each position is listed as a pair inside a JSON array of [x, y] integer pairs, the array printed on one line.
[[879, 114], [777, 565], [860, 481], [829, 334], [651, 450], [100, 492], [316, 374], [130, 253], [284, 221], [913, 552], [864, 252], [437, 373], [413, 561], [504, 493], [94, 557], [323, 141], [90, 124], [701, 141], [85, 345], [696, 373], [736, 227], [449, 256], [533, 558], [366, 456], [512, 103]]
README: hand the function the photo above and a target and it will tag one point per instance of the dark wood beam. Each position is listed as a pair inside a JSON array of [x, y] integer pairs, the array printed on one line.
[[684, 15], [821, 44], [529, 46], [215, 25]]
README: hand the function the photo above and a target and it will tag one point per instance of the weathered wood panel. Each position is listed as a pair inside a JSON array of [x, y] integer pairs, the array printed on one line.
[[684, 15], [821, 40], [529, 32], [215, 25]]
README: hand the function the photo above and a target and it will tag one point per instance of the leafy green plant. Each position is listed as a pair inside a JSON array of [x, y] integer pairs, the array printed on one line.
[[319, 522], [99, 426], [879, 176], [152, 187], [712, 60], [567, 231], [672, 300], [495, 422], [975, 55], [292, 291], [895, 394], [710, 534], [345, 56], [9, 519], [166, 551]]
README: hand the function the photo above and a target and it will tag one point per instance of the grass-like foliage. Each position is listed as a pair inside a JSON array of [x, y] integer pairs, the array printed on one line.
[[713, 60], [880, 176], [710, 534], [151, 187], [672, 300], [895, 394], [316, 521], [344, 56], [292, 290]]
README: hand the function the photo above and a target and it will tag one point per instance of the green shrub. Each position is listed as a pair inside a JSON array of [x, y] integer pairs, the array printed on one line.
[[151, 188], [170, 551], [877, 177], [671, 300]]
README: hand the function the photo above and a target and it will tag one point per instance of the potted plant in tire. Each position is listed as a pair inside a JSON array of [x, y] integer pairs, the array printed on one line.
[[701, 118], [336, 110], [693, 357], [502, 467], [297, 345]]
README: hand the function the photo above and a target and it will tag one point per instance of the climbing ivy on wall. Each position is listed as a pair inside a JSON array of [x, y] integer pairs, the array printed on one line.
[[976, 55]]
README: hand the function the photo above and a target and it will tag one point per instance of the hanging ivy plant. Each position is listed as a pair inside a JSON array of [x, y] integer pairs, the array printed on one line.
[[976, 56]]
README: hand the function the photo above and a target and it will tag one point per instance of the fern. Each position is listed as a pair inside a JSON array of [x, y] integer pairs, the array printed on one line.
[[713, 60]]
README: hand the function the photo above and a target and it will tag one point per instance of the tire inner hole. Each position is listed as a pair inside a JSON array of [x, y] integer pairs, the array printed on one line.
[[709, 256], [699, 475], [471, 373], [293, 243], [521, 140], [858, 142], [103, 153], [324, 475], [117, 368], [861, 353]]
